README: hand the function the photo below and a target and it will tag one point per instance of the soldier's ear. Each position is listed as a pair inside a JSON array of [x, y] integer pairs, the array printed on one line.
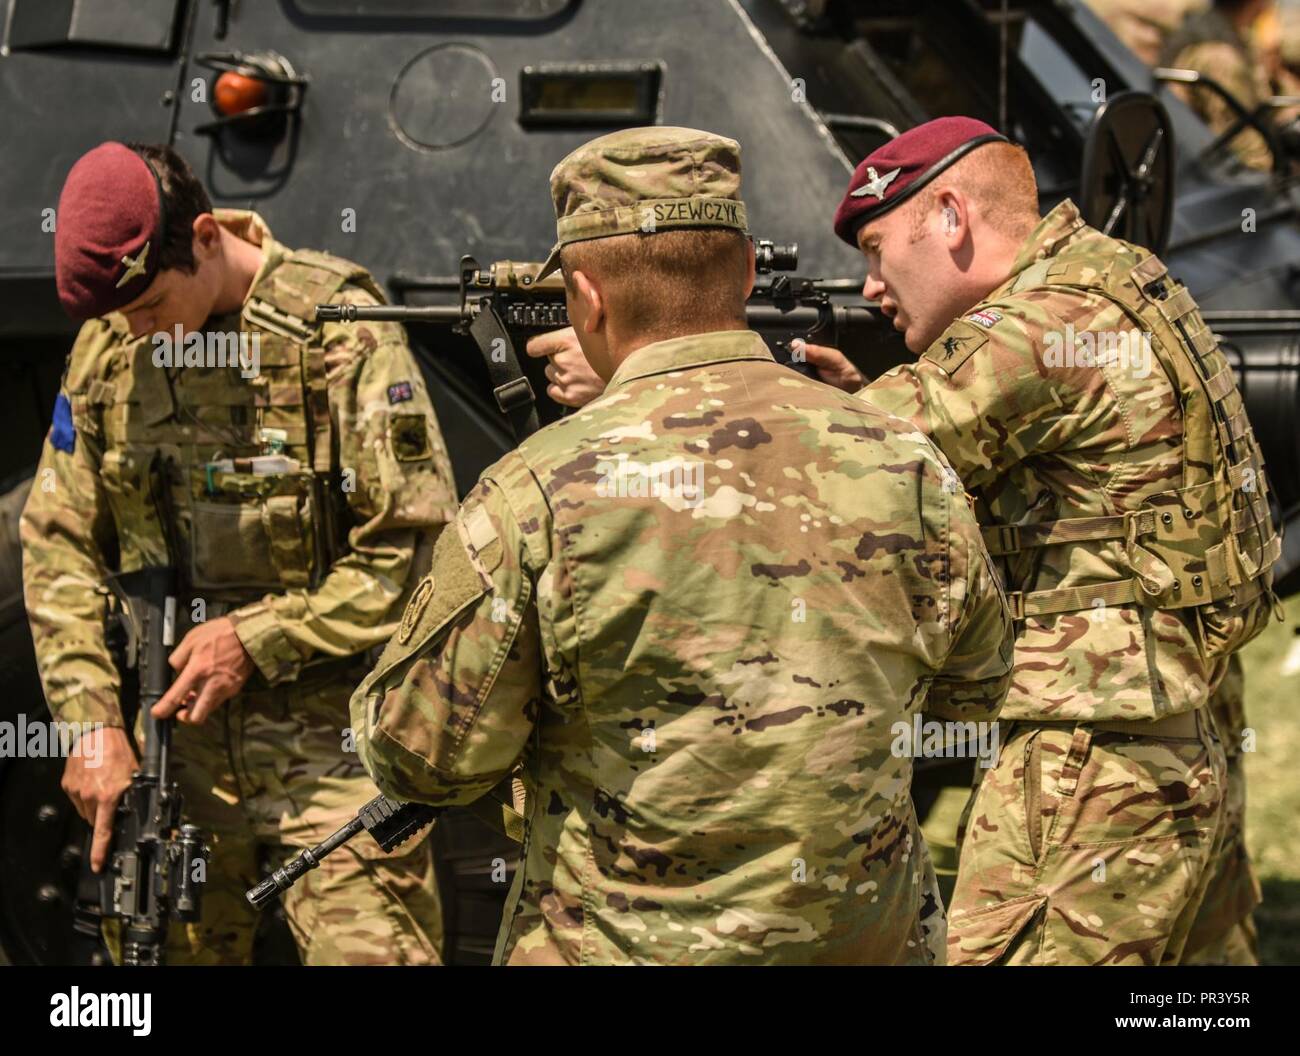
[[589, 295], [751, 271], [953, 218], [207, 236]]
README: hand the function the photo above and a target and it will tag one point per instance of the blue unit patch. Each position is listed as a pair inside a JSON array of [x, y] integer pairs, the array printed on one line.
[[63, 434]]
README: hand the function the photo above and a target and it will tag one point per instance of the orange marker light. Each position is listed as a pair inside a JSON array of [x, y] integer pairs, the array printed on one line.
[[237, 94]]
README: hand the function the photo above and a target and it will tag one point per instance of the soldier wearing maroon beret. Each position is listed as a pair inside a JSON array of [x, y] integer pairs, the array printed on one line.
[[1069, 379], [1076, 390], [307, 479]]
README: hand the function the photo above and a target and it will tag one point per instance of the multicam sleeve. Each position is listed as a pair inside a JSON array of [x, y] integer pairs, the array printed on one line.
[[65, 529], [977, 671], [456, 695], [397, 482], [987, 396]]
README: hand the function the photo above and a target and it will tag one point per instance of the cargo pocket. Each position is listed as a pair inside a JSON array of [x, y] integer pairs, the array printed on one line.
[[253, 531], [988, 936]]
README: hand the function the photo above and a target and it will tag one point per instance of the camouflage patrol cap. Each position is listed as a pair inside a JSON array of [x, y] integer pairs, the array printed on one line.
[[645, 179]]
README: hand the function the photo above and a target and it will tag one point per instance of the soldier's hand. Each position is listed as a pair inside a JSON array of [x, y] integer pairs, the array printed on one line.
[[94, 778], [211, 666], [572, 382], [832, 365]]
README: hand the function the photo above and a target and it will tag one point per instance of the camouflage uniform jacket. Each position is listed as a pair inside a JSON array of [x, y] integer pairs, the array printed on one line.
[[1041, 430], [696, 609], [346, 402]]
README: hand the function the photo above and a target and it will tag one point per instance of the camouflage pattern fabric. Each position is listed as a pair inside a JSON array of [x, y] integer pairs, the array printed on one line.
[[694, 609], [645, 180], [1224, 932], [1032, 440], [1087, 847], [256, 548], [1210, 44]]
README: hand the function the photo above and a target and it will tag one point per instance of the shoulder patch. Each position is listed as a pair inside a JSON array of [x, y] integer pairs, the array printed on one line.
[[63, 434], [415, 609], [410, 435], [451, 586], [956, 345], [985, 318], [400, 392]]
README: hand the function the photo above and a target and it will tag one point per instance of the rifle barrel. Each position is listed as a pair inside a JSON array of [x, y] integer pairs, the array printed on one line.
[[350, 313]]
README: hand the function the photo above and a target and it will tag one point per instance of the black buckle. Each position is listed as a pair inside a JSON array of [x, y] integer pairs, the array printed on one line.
[[513, 395]]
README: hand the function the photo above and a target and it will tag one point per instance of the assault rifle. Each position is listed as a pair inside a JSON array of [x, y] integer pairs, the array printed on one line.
[[157, 860], [505, 303], [388, 821], [152, 876]]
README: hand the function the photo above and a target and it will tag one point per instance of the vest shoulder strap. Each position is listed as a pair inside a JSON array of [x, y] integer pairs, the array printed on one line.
[[286, 299]]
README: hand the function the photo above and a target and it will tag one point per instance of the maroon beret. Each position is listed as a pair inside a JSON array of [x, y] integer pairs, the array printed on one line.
[[108, 237], [904, 165]]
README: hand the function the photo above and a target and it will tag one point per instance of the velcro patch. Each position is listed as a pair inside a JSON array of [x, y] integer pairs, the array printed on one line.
[[956, 345], [451, 585], [399, 392], [410, 437], [986, 318]]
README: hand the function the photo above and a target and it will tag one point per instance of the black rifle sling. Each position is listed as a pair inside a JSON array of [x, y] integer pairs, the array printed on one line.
[[514, 395]]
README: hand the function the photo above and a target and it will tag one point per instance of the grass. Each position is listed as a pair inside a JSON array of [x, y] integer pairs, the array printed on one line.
[[1273, 783]]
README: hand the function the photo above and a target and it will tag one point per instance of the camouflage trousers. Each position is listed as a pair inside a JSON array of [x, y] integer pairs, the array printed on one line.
[[1086, 846], [1223, 932], [266, 776]]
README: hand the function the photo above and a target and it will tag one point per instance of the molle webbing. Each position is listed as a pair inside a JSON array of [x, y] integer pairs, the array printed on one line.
[[284, 303], [1209, 540]]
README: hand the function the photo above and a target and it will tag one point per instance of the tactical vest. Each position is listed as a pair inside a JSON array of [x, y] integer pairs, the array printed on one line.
[[1207, 546], [236, 534]]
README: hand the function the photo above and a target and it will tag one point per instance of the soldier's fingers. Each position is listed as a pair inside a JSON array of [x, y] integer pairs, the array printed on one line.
[[208, 701], [79, 805], [181, 654], [174, 699], [551, 343], [551, 372], [103, 838], [557, 394]]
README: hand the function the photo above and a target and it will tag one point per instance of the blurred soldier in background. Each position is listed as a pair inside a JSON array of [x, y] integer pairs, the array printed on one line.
[[1144, 25], [1216, 43]]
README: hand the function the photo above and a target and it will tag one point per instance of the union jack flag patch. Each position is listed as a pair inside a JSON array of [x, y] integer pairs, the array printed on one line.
[[986, 318]]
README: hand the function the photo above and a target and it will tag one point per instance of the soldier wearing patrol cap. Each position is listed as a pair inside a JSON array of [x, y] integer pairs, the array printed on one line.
[[295, 477], [1081, 396], [697, 611]]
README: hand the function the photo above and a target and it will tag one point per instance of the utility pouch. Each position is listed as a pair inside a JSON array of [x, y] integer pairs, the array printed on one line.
[[253, 530]]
